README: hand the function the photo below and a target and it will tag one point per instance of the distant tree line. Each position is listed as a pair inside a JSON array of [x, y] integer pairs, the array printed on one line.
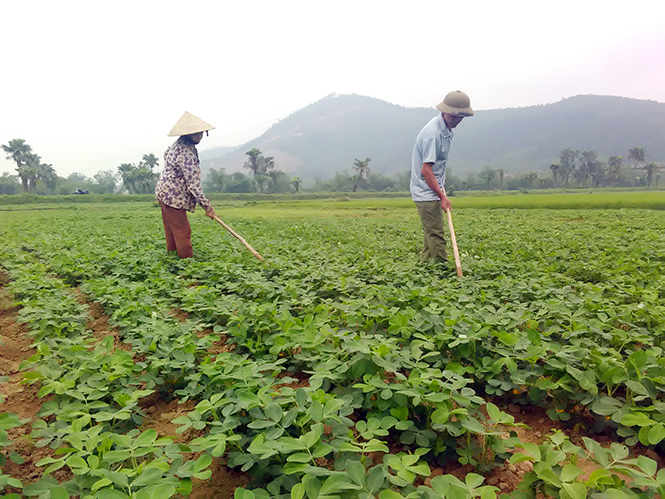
[[35, 177], [574, 169], [29, 167], [140, 179], [265, 177]]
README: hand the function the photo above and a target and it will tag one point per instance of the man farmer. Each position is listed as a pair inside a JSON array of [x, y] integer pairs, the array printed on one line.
[[428, 171], [179, 186]]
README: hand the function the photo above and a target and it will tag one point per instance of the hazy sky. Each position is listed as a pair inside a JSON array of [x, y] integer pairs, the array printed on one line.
[[92, 84]]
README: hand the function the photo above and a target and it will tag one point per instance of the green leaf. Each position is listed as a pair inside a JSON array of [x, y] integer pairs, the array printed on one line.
[[157, 491], [570, 472], [103, 482], [242, 493], [148, 437], [332, 484], [312, 486], [298, 491], [649, 466], [636, 419], [77, 465], [488, 492], [274, 412], [316, 411], [301, 397], [599, 477], [115, 456], [549, 476], [618, 451], [375, 478], [390, 494], [473, 480], [59, 493], [575, 490], [656, 434], [440, 416], [599, 452], [493, 411], [110, 494], [312, 437], [519, 457], [473, 425], [356, 471], [300, 457], [149, 476], [532, 449]]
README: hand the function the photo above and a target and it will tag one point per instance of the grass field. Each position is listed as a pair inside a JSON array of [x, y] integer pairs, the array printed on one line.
[[342, 366]]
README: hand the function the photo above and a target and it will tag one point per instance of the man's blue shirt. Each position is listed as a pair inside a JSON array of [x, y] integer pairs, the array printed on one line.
[[432, 146]]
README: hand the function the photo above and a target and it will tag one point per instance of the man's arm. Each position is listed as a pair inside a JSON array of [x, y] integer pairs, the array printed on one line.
[[429, 177]]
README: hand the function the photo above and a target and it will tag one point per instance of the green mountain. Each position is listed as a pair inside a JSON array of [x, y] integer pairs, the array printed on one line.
[[328, 135]]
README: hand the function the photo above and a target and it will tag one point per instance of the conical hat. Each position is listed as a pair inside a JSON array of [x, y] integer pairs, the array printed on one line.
[[189, 124]]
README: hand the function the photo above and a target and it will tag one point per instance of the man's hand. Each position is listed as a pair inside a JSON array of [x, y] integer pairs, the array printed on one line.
[[430, 179], [210, 213], [445, 204]]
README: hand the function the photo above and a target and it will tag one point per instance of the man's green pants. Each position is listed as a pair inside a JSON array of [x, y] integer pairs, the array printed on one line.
[[431, 216]]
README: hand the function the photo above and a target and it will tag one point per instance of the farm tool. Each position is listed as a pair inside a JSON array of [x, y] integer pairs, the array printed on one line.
[[238, 237], [454, 240]]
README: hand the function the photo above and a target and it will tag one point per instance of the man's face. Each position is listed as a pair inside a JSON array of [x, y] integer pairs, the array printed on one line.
[[451, 120], [195, 138]]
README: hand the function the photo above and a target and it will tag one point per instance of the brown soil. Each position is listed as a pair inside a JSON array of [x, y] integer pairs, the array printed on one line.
[[221, 485], [15, 347], [22, 400]]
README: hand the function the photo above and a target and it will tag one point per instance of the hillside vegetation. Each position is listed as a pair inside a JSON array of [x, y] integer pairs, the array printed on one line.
[[328, 135]]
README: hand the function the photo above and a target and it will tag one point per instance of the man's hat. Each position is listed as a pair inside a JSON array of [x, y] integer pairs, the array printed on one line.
[[188, 125], [456, 103]]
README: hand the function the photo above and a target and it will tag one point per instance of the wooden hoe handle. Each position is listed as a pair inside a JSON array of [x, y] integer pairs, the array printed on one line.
[[454, 240], [239, 238]]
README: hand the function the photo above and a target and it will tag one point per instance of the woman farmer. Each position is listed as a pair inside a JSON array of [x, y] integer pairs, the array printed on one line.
[[179, 186]]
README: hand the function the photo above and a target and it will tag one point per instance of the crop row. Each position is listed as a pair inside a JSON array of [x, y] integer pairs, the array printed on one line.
[[347, 349]]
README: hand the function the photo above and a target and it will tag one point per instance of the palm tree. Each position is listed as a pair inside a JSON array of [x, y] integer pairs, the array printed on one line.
[[638, 155], [530, 178], [267, 164], [614, 168], [149, 161], [17, 150], [555, 172], [261, 181], [487, 175], [30, 170], [274, 175], [48, 176], [567, 164], [650, 168], [587, 166], [254, 161], [127, 173], [362, 170]]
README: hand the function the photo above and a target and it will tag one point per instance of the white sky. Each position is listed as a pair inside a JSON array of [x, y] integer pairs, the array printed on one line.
[[92, 84]]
